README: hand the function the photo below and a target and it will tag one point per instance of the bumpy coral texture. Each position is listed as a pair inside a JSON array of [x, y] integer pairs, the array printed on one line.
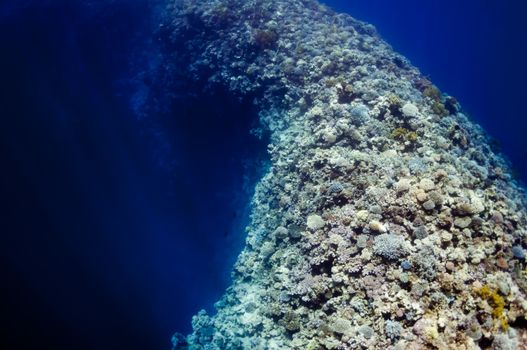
[[386, 221]]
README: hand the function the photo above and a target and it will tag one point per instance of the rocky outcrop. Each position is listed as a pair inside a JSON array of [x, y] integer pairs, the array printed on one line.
[[386, 220]]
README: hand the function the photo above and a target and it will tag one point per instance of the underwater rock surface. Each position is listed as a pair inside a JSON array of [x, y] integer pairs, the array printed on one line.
[[386, 220]]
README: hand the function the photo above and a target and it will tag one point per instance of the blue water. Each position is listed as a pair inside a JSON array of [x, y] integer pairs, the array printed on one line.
[[118, 227], [115, 229]]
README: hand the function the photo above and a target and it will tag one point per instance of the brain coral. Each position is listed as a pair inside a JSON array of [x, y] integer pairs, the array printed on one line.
[[327, 278]]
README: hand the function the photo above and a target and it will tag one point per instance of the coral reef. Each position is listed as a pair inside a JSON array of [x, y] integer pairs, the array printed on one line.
[[386, 220]]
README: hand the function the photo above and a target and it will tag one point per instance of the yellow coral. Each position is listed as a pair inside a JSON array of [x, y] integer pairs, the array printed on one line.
[[411, 136], [439, 109], [399, 134], [497, 303], [394, 100], [431, 333], [432, 92], [403, 134]]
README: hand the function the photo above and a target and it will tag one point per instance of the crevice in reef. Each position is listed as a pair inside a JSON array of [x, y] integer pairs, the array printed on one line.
[[211, 136], [211, 143]]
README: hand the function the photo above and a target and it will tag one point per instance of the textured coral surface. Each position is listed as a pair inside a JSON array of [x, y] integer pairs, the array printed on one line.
[[386, 220]]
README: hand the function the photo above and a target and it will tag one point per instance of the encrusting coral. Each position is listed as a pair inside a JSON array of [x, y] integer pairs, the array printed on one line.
[[386, 219]]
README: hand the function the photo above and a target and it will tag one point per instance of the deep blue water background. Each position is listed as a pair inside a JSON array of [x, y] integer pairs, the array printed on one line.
[[116, 230]]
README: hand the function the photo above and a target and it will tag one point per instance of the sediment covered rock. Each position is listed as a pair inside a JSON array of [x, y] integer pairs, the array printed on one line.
[[386, 220]]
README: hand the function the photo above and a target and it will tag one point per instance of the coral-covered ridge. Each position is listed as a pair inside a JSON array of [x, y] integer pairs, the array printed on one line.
[[387, 220]]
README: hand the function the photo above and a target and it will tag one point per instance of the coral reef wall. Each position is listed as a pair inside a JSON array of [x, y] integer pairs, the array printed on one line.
[[386, 220]]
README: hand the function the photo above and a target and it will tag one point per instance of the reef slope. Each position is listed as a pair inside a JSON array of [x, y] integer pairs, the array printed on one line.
[[386, 220]]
